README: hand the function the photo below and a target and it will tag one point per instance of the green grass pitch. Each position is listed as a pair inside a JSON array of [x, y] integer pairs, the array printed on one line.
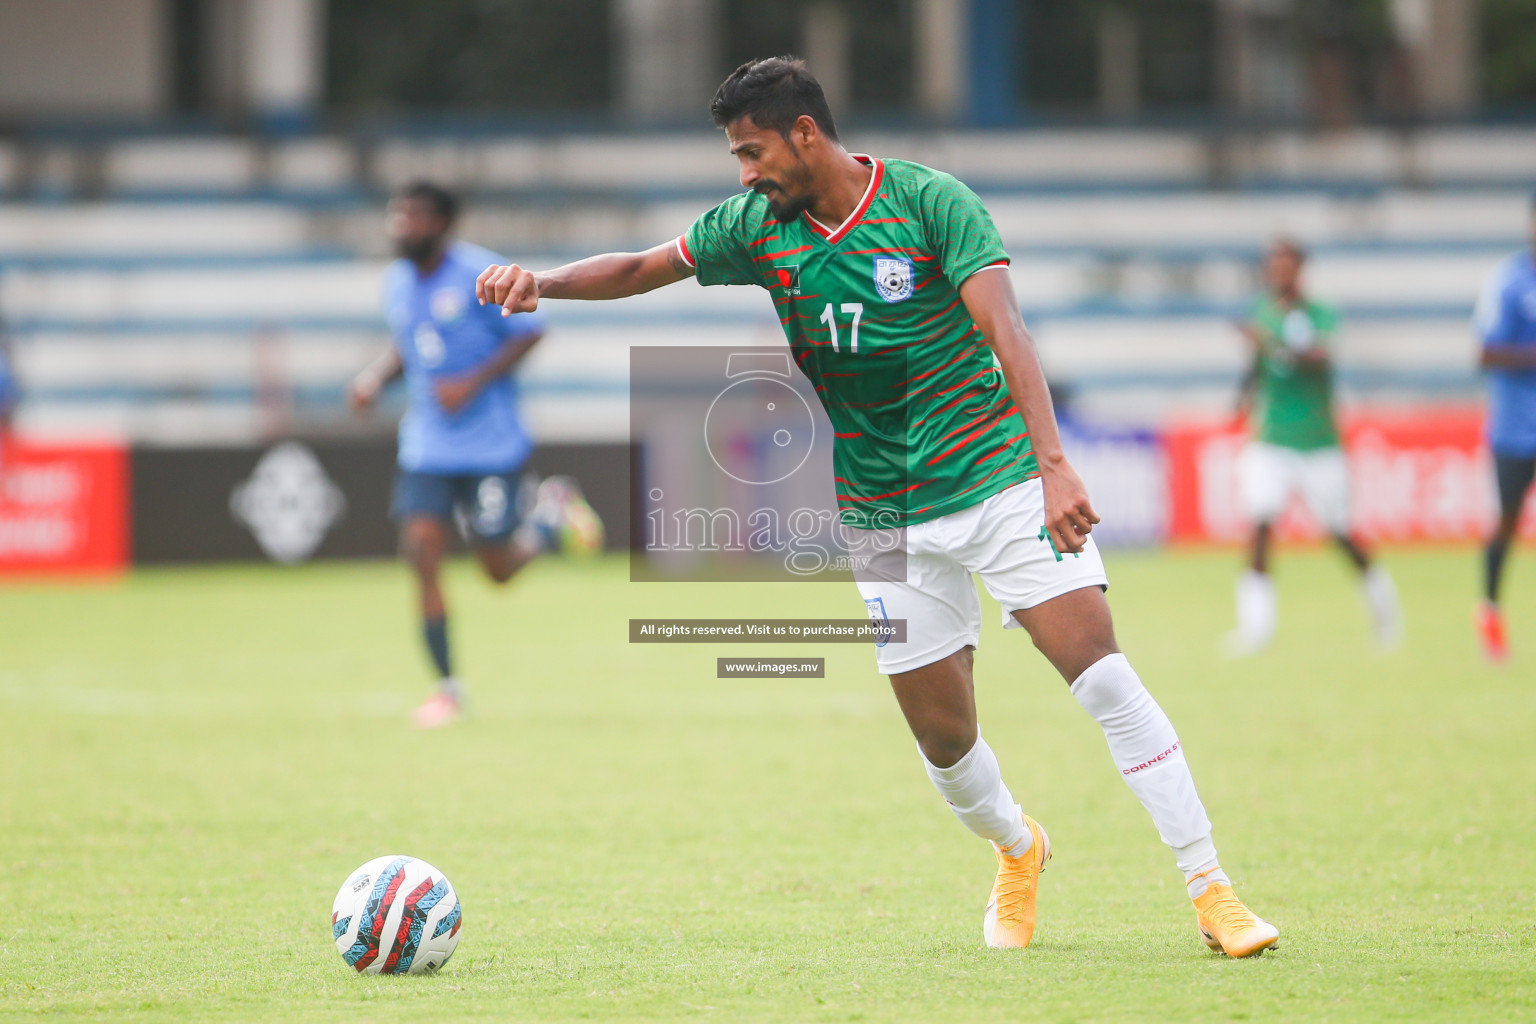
[[193, 760]]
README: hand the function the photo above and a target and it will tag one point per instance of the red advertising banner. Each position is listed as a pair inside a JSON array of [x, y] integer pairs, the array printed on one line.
[[1420, 476], [63, 507]]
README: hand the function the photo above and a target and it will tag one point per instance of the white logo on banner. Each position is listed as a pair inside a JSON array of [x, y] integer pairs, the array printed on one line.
[[288, 502]]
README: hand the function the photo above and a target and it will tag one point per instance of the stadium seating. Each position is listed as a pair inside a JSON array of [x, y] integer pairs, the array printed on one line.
[[175, 288]]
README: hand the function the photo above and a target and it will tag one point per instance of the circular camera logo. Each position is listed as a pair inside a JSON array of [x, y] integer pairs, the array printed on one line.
[[759, 430]]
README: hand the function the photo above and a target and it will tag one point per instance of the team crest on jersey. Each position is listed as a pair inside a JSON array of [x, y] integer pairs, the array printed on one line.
[[788, 278], [893, 278], [447, 305], [1297, 330]]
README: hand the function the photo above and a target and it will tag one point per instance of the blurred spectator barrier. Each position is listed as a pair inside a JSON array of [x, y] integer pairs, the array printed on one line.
[[63, 508], [1414, 477], [1126, 472], [1420, 476], [297, 499]]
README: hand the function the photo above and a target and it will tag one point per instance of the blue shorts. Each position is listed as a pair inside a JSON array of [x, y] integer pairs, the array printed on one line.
[[486, 506]]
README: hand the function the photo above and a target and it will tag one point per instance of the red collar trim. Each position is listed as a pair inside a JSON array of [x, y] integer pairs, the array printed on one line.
[[835, 236]]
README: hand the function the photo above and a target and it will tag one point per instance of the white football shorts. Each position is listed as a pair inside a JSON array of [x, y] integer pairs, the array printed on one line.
[[1269, 474], [1000, 540]]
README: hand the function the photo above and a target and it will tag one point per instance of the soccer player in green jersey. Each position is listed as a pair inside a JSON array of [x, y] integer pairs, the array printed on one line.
[[1296, 447], [891, 284]]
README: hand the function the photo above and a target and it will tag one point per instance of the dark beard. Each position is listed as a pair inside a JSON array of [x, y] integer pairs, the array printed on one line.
[[785, 209], [418, 252]]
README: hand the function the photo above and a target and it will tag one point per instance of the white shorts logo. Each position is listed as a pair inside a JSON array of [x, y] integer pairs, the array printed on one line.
[[893, 278], [876, 606], [491, 504]]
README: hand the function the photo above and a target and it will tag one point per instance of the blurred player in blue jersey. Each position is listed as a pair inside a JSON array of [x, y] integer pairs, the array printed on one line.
[[463, 444], [1506, 325], [7, 398]]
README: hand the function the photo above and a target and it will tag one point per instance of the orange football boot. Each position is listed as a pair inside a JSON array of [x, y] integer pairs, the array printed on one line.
[[1490, 630], [1228, 926], [439, 710], [1010, 917]]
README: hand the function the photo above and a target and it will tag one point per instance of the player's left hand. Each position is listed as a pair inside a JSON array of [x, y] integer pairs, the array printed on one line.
[[1069, 516], [454, 393]]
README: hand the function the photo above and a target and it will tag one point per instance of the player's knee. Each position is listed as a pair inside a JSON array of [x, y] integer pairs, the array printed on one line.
[[1085, 654], [943, 747], [422, 554], [497, 563]]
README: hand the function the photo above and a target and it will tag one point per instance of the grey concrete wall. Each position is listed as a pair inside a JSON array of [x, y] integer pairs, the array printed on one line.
[[83, 57]]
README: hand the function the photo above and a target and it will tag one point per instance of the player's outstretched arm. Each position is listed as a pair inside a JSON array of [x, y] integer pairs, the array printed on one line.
[[613, 275], [1507, 357], [365, 387], [989, 299], [1251, 332], [1250, 380], [454, 393]]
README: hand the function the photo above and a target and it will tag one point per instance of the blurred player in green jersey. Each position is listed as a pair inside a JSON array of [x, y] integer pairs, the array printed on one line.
[[1295, 447], [893, 291]]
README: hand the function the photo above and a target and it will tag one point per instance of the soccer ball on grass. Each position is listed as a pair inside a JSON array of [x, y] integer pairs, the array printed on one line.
[[396, 915]]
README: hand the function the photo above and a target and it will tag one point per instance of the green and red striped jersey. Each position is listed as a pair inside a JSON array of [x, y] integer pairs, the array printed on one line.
[[923, 422]]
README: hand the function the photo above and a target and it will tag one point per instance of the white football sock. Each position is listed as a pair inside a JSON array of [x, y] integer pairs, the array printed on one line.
[[1200, 866], [974, 789], [1255, 609], [1147, 751], [1381, 598]]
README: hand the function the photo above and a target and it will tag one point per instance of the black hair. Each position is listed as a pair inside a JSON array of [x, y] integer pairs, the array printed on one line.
[[443, 202], [1288, 244], [774, 93]]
